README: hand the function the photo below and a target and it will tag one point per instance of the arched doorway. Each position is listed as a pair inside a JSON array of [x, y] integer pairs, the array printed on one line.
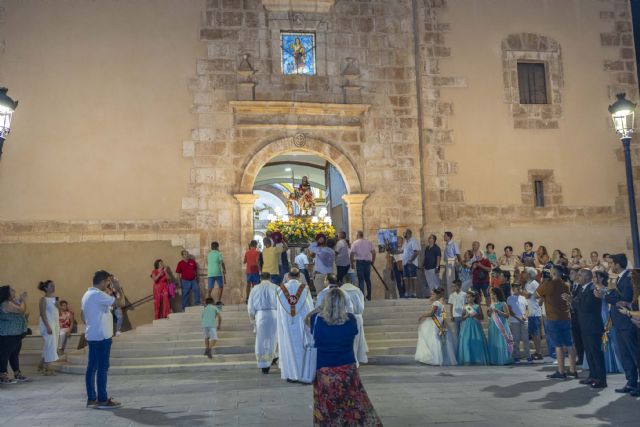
[[300, 143], [278, 180]]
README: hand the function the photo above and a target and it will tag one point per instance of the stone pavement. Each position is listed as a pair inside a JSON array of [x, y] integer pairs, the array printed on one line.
[[403, 396]]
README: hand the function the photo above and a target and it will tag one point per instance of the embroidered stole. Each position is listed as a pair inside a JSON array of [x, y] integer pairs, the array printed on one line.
[[292, 299]]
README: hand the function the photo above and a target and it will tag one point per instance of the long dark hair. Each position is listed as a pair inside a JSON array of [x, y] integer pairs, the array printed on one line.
[[498, 294], [5, 293]]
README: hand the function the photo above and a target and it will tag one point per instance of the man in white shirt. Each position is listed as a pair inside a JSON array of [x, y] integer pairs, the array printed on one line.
[[519, 323], [535, 311], [452, 259], [96, 314], [302, 261], [410, 263], [343, 263], [262, 308]]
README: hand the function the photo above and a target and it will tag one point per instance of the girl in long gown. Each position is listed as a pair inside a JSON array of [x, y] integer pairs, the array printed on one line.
[[472, 344], [500, 338], [436, 344]]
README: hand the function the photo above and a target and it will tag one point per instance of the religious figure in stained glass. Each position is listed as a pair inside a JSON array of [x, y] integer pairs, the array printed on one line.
[[298, 53]]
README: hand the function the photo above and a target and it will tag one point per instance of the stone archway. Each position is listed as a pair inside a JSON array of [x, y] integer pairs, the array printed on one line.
[[354, 199]]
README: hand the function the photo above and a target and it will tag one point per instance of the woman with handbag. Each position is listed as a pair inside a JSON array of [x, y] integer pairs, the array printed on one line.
[[339, 396], [13, 328]]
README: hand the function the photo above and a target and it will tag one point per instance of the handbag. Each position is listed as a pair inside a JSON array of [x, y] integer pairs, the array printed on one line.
[[310, 359], [82, 342]]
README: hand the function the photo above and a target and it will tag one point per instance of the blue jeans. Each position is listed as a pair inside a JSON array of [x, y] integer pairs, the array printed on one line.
[[189, 286], [550, 347], [97, 367], [119, 317], [363, 269]]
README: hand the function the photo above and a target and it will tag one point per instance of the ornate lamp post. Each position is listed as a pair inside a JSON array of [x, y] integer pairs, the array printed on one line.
[[622, 112], [7, 107]]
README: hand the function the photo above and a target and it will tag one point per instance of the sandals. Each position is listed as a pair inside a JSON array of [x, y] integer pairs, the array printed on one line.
[[48, 372]]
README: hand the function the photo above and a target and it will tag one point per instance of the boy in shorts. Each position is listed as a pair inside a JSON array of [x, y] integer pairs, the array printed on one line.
[[253, 270], [211, 321], [215, 273]]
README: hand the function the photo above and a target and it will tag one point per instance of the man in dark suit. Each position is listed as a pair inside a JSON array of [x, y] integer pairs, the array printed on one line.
[[576, 291], [592, 327], [627, 338]]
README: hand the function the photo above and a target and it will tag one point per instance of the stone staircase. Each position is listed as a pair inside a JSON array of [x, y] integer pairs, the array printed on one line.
[[176, 344]]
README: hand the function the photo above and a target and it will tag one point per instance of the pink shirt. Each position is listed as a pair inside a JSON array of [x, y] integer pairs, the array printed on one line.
[[361, 249]]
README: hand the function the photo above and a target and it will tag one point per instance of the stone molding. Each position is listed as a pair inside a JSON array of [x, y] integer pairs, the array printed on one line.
[[298, 108], [317, 6], [527, 47], [312, 145]]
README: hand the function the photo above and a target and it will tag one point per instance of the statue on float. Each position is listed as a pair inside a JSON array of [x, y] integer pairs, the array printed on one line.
[[303, 196]]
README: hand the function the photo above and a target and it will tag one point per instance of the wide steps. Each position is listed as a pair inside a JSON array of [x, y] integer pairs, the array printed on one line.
[[176, 344]]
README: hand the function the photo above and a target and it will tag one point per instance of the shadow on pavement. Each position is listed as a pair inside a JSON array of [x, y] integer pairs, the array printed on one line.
[[574, 398], [158, 418], [518, 389], [622, 411]]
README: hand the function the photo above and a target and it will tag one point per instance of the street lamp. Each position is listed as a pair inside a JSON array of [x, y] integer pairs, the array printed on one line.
[[622, 112], [7, 107]]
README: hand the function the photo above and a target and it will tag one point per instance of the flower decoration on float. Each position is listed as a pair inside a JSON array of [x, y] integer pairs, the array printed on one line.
[[300, 229]]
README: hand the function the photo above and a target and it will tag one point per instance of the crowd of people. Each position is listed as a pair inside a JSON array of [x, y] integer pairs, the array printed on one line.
[[587, 308]]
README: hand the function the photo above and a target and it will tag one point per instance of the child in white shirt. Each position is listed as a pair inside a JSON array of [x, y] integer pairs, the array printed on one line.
[[519, 324], [457, 302]]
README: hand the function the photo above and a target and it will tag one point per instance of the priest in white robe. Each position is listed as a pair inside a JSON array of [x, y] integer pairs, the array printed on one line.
[[294, 303], [262, 307], [332, 282], [356, 298]]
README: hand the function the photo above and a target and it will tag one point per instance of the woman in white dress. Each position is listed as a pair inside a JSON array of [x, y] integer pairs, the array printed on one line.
[[436, 344], [49, 326], [356, 296]]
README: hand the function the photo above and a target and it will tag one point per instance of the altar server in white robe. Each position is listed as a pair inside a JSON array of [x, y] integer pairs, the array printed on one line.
[[332, 282], [294, 303], [356, 297], [262, 307]]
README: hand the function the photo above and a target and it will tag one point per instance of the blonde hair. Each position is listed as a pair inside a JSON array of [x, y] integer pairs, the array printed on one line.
[[334, 308]]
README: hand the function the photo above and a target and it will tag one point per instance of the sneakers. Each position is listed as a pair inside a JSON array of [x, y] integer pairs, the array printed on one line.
[[7, 380], [537, 356], [529, 360], [91, 403], [516, 361], [109, 404], [118, 333], [573, 374], [557, 376], [21, 378]]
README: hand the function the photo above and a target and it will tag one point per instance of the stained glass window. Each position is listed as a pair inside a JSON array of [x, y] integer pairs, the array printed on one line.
[[298, 53]]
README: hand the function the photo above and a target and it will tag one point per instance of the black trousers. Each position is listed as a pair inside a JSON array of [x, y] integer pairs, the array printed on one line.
[[595, 357], [577, 337], [343, 270], [10, 347], [627, 345]]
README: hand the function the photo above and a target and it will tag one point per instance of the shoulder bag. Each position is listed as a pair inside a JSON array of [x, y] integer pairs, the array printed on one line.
[[310, 359]]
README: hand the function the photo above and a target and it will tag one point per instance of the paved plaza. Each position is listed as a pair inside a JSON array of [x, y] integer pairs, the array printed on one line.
[[402, 395]]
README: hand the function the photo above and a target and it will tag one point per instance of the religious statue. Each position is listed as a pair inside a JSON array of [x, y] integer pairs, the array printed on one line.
[[299, 54], [303, 196]]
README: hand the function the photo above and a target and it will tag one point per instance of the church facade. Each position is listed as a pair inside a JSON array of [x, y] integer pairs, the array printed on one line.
[[142, 125]]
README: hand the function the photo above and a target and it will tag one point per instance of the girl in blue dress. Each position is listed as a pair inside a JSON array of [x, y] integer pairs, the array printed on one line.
[[500, 338], [472, 344]]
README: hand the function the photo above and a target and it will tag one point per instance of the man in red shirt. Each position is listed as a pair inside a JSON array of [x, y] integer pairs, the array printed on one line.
[[253, 271], [480, 276], [187, 271]]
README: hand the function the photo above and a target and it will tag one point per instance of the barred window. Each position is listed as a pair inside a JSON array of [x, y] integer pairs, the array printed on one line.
[[532, 82], [538, 188]]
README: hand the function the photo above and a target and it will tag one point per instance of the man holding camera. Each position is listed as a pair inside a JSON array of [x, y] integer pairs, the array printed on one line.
[[96, 314]]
